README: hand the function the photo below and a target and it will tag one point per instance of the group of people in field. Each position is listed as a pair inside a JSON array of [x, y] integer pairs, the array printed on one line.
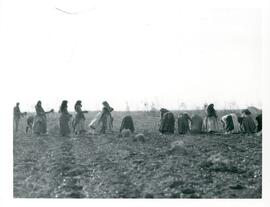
[[103, 121], [231, 123]]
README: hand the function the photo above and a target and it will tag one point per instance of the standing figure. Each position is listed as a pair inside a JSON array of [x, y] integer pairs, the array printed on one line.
[[210, 123], [196, 124], [64, 119], [40, 120], [79, 124], [17, 116], [230, 123], [183, 123], [106, 119], [127, 123], [247, 124], [167, 122]]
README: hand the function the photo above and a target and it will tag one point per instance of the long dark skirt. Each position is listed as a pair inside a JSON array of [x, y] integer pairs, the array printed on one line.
[[183, 125], [196, 124], [127, 123], [248, 125], [64, 124], [40, 125], [229, 124], [106, 121], [259, 120], [167, 123]]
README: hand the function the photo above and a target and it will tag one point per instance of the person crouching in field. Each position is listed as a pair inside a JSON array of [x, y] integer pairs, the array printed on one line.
[[167, 122], [106, 119], [230, 124], [183, 123], [29, 124], [79, 122], [64, 119], [17, 114], [247, 123], [40, 120], [127, 124], [210, 123], [196, 124]]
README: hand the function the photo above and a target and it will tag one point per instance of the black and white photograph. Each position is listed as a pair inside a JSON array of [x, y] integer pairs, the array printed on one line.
[[160, 102]]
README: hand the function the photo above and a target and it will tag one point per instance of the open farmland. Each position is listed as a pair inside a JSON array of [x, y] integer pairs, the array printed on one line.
[[161, 166]]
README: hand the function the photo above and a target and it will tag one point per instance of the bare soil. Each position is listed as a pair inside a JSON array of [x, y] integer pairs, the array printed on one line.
[[162, 166]]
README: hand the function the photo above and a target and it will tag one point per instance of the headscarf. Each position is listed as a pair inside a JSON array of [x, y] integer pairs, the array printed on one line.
[[246, 112], [107, 106], [38, 103], [63, 106], [210, 110], [40, 111], [163, 111], [78, 103], [185, 116]]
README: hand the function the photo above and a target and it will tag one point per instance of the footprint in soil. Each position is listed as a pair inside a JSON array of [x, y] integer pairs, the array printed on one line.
[[71, 188], [148, 195], [185, 193], [76, 195], [129, 192], [188, 191], [177, 183], [237, 187], [75, 172]]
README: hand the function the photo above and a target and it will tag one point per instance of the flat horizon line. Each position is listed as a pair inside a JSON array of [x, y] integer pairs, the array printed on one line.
[[239, 109]]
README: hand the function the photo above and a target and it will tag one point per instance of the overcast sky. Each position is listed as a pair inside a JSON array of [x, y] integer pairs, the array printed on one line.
[[166, 52]]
